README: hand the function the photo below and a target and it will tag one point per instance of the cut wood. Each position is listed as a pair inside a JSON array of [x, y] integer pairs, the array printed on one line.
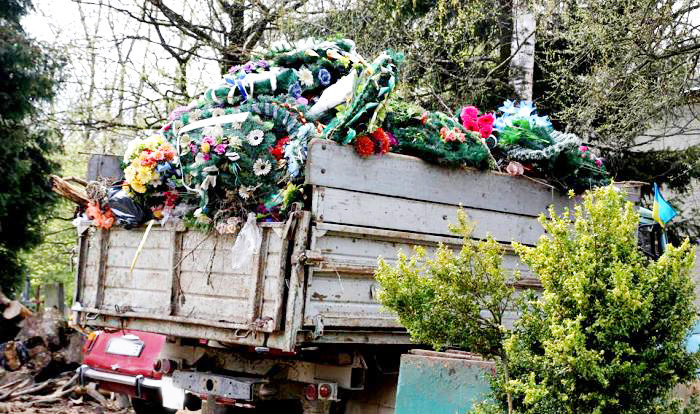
[[66, 190]]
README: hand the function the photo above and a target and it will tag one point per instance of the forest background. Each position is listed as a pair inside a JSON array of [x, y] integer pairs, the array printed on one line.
[[621, 74]]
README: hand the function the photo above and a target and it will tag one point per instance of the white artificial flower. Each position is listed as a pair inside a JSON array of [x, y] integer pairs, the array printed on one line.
[[234, 141], [233, 156], [177, 124], [215, 131], [195, 115], [255, 137], [305, 77], [246, 191], [262, 167], [218, 112]]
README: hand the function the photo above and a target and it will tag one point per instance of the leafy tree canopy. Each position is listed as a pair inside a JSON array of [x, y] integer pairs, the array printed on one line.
[[27, 80]]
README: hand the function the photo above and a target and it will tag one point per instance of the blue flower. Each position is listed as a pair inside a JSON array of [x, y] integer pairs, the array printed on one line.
[[525, 109], [164, 167], [508, 107], [540, 121], [324, 76], [295, 90]]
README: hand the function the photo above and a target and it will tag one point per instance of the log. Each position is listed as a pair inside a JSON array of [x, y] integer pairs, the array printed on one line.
[[71, 192]]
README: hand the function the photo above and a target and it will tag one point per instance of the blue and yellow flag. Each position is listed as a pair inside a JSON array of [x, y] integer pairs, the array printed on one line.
[[663, 212]]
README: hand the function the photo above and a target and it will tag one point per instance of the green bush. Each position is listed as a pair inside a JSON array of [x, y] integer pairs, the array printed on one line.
[[605, 335]]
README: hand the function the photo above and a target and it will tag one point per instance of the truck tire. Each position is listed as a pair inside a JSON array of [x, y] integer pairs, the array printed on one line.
[[149, 407]]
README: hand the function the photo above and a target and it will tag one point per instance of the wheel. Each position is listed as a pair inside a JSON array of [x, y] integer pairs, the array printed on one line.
[[149, 407]]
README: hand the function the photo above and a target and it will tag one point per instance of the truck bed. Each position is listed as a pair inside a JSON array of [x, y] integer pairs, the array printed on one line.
[[313, 279]]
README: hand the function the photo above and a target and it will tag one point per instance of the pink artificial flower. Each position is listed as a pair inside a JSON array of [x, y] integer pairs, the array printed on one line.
[[209, 140], [206, 156], [469, 113], [583, 148], [599, 162], [302, 101], [177, 112], [515, 168], [220, 149]]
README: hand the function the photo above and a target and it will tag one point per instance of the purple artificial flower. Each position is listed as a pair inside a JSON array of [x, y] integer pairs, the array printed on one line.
[[392, 139], [220, 149], [234, 69], [302, 101], [248, 67], [262, 64], [193, 147], [324, 76]]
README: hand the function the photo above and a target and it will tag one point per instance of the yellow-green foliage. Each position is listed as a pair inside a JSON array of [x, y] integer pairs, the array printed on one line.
[[607, 333], [454, 299]]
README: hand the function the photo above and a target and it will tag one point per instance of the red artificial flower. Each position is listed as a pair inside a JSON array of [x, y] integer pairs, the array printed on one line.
[[485, 131], [381, 140], [278, 150], [485, 119], [471, 125], [364, 146]]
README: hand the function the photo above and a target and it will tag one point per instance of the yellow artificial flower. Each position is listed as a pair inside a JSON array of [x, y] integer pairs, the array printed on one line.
[[205, 147]]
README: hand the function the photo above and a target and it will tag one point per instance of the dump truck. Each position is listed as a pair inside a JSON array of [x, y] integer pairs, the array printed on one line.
[[298, 328]]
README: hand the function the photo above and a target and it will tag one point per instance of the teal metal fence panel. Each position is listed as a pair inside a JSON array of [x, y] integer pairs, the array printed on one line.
[[441, 383]]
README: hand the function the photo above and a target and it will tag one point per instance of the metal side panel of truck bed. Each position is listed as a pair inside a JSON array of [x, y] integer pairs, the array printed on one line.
[[313, 280]]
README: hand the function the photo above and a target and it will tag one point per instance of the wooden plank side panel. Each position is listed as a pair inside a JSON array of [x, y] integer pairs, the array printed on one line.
[[90, 269], [333, 165], [341, 288], [370, 210]]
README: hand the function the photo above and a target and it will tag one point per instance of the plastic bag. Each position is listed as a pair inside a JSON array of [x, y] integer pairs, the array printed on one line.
[[125, 210], [247, 246]]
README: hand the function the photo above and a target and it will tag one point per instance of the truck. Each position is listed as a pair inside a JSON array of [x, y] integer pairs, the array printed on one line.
[[179, 322]]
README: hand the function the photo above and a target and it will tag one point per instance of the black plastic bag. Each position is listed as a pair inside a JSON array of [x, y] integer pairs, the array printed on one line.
[[126, 212]]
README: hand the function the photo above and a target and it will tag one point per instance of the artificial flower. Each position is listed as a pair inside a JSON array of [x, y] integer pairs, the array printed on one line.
[[515, 168], [234, 141], [177, 112], [295, 90], [195, 115], [278, 150], [598, 162], [382, 141], [205, 147], [469, 113], [220, 149], [364, 146], [233, 156], [255, 137], [246, 191], [302, 101], [262, 167], [324, 76], [424, 118], [306, 77], [215, 131], [455, 134]]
